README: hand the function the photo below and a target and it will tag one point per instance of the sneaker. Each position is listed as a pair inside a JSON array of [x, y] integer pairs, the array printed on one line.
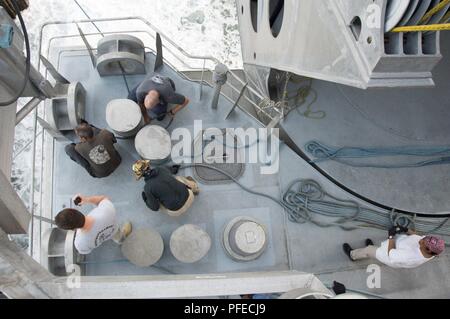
[[369, 242], [196, 189], [125, 230], [347, 250]]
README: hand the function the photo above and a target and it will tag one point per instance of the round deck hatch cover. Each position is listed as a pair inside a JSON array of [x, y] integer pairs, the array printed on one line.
[[189, 243], [245, 239], [143, 247], [123, 115], [153, 143]]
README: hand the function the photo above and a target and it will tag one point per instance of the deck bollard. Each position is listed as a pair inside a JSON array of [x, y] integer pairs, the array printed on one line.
[[219, 78]]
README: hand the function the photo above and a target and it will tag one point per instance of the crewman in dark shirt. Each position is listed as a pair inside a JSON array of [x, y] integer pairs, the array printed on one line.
[[95, 152], [163, 191], [154, 95]]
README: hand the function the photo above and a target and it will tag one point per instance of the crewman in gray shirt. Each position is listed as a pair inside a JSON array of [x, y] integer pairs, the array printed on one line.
[[154, 95]]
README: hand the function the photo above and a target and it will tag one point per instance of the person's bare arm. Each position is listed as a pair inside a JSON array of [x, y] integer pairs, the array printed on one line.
[[179, 107], [391, 245], [94, 200], [147, 118], [392, 233]]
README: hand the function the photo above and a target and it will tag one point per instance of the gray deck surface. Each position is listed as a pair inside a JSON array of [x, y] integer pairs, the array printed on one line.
[[385, 117], [312, 249], [213, 208]]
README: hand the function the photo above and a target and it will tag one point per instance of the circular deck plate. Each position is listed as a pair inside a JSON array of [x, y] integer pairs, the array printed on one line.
[[189, 243], [394, 13], [123, 115], [245, 239], [153, 143], [143, 247]]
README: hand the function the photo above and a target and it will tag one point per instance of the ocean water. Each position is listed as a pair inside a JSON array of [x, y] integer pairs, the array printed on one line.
[[202, 27]]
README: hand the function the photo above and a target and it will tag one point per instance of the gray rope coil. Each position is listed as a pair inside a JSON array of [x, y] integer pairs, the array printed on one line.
[[305, 199], [438, 155]]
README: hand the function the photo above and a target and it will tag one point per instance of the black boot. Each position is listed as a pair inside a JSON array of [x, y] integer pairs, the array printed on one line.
[[339, 288], [348, 249], [369, 242]]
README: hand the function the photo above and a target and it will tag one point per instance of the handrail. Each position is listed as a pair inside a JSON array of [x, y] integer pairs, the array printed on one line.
[[150, 49], [163, 36]]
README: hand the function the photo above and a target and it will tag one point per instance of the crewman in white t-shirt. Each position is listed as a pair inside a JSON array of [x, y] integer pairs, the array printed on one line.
[[403, 249], [95, 228]]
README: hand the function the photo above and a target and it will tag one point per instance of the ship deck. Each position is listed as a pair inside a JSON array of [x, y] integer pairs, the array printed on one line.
[[390, 117], [303, 247]]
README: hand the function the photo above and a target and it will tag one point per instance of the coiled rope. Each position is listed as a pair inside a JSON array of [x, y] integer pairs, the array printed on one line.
[[291, 101], [443, 26], [301, 96], [321, 152], [305, 200]]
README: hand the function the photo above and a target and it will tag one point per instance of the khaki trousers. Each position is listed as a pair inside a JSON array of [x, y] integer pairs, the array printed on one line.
[[364, 253], [192, 186]]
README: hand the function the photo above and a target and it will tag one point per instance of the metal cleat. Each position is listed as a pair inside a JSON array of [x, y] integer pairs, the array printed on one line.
[[120, 54]]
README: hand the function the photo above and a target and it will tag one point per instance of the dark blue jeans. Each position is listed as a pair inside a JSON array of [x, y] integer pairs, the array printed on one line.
[[159, 111]]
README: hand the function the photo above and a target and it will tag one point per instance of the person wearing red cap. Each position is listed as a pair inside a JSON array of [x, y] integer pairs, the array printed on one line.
[[403, 249]]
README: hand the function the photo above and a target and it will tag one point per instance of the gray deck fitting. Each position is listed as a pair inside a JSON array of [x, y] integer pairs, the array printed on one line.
[[219, 79], [124, 117], [58, 253], [120, 54], [211, 138], [189, 243], [143, 247], [65, 111], [153, 143], [245, 239]]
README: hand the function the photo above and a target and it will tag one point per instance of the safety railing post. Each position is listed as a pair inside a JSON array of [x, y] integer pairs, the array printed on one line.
[[219, 79], [201, 80]]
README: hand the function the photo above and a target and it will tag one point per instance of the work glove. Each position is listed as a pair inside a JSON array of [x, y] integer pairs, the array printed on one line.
[[402, 230], [175, 169], [393, 231], [397, 230]]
